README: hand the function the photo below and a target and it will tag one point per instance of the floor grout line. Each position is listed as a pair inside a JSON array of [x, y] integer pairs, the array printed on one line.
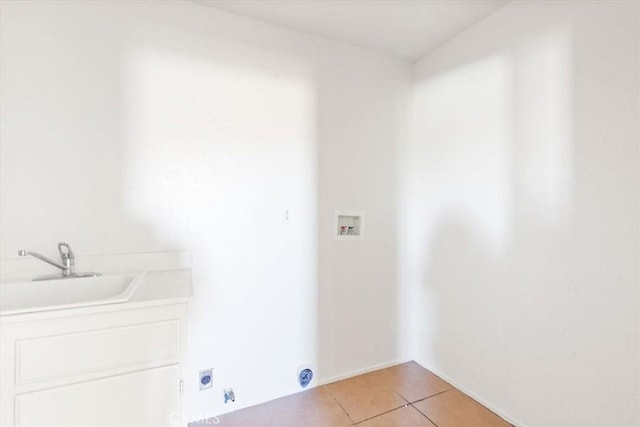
[[339, 404], [423, 414], [433, 395], [390, 382], [383, 413]]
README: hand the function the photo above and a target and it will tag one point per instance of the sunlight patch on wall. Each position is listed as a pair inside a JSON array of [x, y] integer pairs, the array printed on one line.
[[215, 153], [456, 188], [488, 165], [543, 96], [462, 154]]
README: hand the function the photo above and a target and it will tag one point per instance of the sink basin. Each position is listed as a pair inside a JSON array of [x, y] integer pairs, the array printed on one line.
[[28, 296]]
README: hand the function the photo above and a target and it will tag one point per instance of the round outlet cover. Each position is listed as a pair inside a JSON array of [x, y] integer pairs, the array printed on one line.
[[305, 376]]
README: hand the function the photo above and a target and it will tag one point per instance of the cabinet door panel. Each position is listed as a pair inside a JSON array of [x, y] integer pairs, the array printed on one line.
[[44, 358], [144, 398]]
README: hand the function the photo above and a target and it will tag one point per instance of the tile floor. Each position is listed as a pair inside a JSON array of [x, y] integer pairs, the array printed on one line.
[[402, 395]]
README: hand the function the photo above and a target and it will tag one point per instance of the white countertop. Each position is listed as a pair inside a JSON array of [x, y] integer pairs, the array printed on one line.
[[155, 288]]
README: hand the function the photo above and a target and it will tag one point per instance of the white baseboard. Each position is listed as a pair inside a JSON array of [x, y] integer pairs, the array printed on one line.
[[319, 383], [376, 367], [358, 372], [474, 396]]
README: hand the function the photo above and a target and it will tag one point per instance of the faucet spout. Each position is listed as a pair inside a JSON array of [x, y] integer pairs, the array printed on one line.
[[22, 252], [67, 266]]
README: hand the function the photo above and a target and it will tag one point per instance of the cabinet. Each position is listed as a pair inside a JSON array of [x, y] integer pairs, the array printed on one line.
[[110, 366]]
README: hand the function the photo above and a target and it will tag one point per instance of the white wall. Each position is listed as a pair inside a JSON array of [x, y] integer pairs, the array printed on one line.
[[519, 213], [149, 126]]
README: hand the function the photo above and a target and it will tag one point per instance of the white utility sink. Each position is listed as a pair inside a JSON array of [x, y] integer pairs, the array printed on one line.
[[29, 296]]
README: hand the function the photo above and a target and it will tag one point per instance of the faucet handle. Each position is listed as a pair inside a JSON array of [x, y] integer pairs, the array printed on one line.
[[65, 251]]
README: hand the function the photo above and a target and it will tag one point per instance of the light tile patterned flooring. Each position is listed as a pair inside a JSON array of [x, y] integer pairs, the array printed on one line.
[[402, 395]]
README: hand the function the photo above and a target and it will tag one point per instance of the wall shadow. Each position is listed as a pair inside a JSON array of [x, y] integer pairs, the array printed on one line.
[[516, 256]]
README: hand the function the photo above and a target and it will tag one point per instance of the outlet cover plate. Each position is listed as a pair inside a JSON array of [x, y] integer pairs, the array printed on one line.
[[205, 379]]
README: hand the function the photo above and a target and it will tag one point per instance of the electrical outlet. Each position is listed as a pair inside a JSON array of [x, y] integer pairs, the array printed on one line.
[[205, 379]]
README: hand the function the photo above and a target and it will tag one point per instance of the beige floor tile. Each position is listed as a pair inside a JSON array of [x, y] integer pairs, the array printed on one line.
[[366, 396], [315, 407], [373, 399], [406, 416], [254, 416], [413, 382], [455, 409]]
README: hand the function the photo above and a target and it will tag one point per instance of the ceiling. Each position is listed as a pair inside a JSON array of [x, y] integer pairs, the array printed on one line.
[[406, 29]]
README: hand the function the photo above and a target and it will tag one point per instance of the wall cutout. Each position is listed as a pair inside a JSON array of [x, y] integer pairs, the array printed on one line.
[[349, 225]]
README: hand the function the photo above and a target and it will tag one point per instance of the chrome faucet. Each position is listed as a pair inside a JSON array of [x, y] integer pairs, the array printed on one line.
[[68, 259], [67, 266]]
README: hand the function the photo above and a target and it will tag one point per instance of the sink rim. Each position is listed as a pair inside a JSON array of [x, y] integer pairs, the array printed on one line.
[[120, 298], [82, 275]]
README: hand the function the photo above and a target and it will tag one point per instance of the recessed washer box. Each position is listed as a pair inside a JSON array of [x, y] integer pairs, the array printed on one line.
[[349, 225]]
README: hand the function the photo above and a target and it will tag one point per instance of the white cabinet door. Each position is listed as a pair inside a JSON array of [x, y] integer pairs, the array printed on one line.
[[143, 398]]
